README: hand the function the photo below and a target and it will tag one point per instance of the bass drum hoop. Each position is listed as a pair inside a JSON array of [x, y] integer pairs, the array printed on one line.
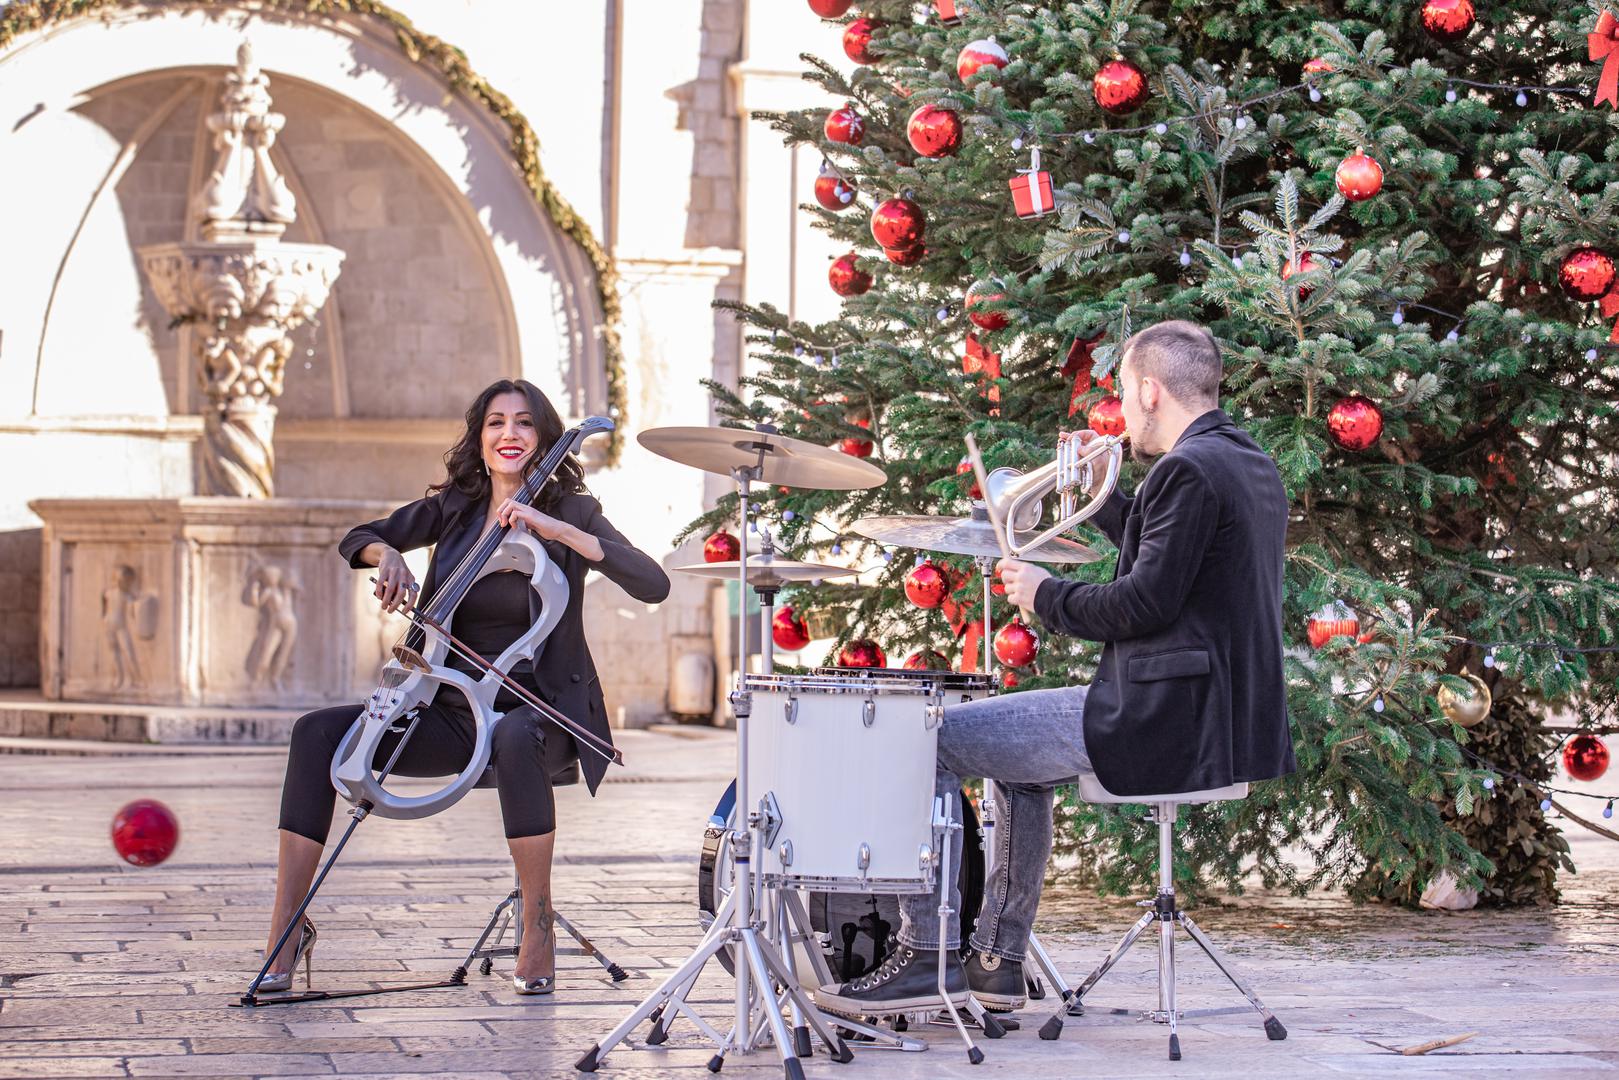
[[970, 877]]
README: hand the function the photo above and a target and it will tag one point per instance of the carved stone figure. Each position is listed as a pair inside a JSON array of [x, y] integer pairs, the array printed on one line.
[[118, 616], [245, 288], [273, 593]]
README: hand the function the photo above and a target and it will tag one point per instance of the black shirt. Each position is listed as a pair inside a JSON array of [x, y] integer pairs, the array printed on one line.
[[493, 614]]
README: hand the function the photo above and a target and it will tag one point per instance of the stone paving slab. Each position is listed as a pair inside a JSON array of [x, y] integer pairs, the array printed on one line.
[[110, 971]]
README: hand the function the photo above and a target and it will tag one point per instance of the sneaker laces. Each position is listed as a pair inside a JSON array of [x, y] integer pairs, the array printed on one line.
[[888, 969]]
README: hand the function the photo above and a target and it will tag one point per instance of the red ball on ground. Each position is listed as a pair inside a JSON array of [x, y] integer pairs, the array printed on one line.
[[1107, 416], [934, 131], [846, 278], [857, 40], [1585, 757], [862, 652], [145, 832], [1355, 423], [1016, 644], [1448, 21], [722, 547], [830, 9], [833, 191], [788, 630], [1306, 263], [897, 224], [1586, 274], [844, 125], [927, 660], [1359, 177], [1119, 87], [927, 585], [980, 54]]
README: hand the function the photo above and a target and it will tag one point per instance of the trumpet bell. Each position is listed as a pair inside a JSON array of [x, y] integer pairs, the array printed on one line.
[[1004, 486]]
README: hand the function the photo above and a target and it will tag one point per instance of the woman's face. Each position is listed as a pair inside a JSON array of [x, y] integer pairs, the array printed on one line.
[[509, 436]]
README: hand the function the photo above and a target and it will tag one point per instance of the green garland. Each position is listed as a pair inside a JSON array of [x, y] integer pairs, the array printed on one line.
[[450, 63]]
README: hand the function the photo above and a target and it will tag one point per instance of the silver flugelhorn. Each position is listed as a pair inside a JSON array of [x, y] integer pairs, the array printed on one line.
[[1020, 496]]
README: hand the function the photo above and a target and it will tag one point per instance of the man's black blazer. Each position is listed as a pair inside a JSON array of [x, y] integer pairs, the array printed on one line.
[[563, 672], [1189, 693]]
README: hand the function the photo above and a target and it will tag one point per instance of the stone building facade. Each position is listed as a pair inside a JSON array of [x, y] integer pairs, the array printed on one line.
[[452, 275]]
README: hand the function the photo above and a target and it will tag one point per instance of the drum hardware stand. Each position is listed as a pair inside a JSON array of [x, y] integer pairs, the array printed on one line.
[[945, 823], [758, 1010], [509, 914]]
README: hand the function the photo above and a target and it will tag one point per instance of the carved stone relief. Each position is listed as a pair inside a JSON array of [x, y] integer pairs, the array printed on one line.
[[273, 594], [127, 614]]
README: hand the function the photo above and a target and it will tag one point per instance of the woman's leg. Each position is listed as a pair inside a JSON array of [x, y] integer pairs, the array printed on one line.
[[532, 857], [526, 754]]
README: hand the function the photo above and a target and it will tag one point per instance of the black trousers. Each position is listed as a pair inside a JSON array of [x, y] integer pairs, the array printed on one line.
[[526, 751]]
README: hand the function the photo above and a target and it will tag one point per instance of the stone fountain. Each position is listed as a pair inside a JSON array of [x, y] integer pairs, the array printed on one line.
[[212, 606]]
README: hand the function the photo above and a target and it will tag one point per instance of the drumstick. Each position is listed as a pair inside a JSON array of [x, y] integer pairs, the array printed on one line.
[[994, 514]]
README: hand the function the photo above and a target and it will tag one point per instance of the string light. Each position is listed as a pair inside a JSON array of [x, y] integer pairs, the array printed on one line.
[[1450, 93], [1399, 315], [788, 515], [1521, 100], [1186, 257], [1124, 236]]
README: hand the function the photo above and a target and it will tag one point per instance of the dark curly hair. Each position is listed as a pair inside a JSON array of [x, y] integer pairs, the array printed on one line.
[[463, 462]]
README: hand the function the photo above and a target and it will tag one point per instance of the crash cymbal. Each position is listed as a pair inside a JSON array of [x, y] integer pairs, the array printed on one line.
[[962, 536], [792, 462], [765, 572]]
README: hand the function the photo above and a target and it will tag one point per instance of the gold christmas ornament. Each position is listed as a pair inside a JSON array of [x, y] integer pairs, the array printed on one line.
[[1466, 709]]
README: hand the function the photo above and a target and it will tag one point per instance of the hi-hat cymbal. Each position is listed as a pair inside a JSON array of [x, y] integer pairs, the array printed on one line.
[[765, 572], [962, 536], [792, 462]]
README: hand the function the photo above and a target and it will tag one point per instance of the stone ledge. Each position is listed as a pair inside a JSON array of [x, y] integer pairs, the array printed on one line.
[[28, 714]]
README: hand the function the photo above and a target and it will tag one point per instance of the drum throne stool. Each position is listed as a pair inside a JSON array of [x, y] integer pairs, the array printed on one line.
[[508, 914], [1164, 910]]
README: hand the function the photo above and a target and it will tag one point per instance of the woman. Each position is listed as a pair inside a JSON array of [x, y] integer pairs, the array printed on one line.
[[510, 427]]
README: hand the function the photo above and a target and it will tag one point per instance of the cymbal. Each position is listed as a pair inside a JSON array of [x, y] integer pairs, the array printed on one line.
[[792, 462], [765, 572], [962, 536]]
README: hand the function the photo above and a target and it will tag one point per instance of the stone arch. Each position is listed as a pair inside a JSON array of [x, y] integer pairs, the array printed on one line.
[[551, 314]]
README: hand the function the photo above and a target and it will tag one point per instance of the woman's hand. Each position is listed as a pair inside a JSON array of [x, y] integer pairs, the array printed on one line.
[[540, 524], [395, 583]]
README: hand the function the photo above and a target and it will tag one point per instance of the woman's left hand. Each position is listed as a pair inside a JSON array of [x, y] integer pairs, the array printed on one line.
[[540, 524]]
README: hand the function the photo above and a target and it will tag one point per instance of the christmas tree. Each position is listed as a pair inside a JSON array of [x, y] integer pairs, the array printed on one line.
[[1398, 222]]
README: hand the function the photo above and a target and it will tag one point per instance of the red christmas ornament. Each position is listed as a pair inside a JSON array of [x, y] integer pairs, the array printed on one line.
[[145, 832], [1447, 21], [1585, 757], [927, 660], [787, 630], [833, 191], [1355, 423], [1306, 263], [857, 40], [897, 224], [934, 131], [1009, 679], [965, 468], [907, 256], [927, 585], [1337, 619], [987, 320], [862, 652], [1586, 274], [980, 54], [1317, 66], [860, 448], [830, 9], [1016, 644], [1107, 416], [845, 126], [1359, 177], [1119, 87], [949, 14], [722, 547], [846, 278]]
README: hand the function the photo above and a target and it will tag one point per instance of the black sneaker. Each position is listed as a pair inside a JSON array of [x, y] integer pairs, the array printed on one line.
[[995, 981], [906, 981]]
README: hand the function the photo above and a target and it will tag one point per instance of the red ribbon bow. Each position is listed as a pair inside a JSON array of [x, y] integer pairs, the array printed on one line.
[[1078, 367], [1610, 308], [1603, 44]]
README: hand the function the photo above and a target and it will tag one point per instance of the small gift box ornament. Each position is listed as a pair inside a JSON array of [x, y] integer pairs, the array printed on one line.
[[1031, 189], [949, 12]]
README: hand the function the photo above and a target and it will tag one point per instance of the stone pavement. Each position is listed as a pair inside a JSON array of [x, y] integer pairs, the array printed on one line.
[[106, 970]]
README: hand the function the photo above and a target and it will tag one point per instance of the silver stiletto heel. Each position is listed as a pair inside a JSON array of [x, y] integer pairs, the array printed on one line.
[[277, 982], [542, 985]]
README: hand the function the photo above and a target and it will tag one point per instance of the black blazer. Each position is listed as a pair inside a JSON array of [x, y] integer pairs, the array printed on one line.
[[1189, 693], [563, 671]]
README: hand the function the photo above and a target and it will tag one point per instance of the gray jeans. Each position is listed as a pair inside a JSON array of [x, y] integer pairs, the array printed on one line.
[[1027, 743]]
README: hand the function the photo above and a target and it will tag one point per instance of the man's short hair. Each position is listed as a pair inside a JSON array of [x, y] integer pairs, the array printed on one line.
[[1182, 356]]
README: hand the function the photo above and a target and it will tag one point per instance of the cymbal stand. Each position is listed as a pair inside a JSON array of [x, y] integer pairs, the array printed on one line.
[[758, 1013]]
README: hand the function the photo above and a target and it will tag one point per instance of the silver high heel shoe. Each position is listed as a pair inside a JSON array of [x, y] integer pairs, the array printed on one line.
[[542, 985], [280, 982]]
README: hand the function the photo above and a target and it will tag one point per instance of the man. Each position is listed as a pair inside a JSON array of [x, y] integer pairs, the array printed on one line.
[[1189, 692]]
